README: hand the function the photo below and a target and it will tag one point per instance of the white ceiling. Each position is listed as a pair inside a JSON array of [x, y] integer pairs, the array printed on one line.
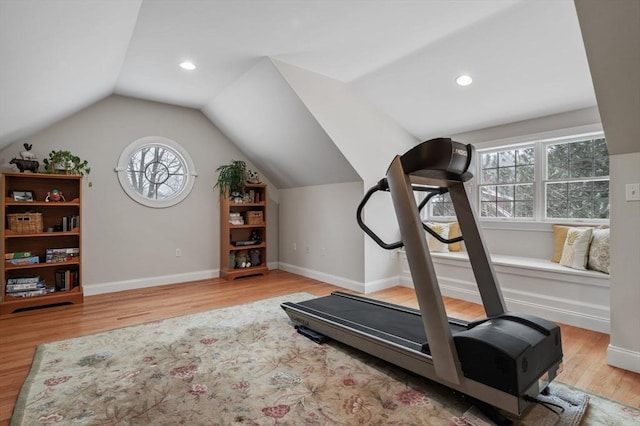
[[527, 59]]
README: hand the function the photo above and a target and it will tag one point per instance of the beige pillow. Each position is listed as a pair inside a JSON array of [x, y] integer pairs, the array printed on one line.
[[441, 229], [599, 258], [454, 231], [559, 237], [576, 248]]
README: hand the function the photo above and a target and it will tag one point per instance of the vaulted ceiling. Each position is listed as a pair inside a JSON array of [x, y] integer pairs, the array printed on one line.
[[527, 60]]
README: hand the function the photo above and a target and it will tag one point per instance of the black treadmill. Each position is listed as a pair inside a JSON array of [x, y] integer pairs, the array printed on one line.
[[504, 360]]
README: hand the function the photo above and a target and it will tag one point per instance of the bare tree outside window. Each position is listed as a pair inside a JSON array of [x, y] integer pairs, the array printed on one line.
[[156, 172]]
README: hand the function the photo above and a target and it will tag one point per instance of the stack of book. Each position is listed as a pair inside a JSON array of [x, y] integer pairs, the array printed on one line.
[[25, 287], [21, 258], [69, 223], [62, 254], [66, 279]]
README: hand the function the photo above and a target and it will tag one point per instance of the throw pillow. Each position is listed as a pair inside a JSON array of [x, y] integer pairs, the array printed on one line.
[[559, 237], [599, 258], [441, 229], [454, 231], [576, 248]]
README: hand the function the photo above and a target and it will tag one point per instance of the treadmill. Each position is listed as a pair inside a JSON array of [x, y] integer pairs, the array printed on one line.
[[502, 361]]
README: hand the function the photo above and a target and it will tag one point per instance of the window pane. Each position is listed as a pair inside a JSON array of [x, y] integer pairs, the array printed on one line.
[[525, 173], [507, 175], [558, 154], [525, 156], [581, 168], [490, 176], [504, 209], [488, 193], [488, 209], [490, 160], [523, 209], [507, 158], [505, 193], [557, 170], [524, 192]]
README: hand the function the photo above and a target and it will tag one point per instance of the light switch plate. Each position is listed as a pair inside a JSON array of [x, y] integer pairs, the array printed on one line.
[[633, 191]]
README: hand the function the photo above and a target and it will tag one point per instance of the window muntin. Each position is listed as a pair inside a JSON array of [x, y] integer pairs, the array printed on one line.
[[506, 188], [156, 172], [577, 180], [564, 178]]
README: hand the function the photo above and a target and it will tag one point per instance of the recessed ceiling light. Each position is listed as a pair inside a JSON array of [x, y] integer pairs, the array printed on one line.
[[186, 65], [464, 80]]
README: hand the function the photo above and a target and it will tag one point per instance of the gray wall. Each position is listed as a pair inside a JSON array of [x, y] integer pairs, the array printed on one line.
[[125, 244], [319, 236]]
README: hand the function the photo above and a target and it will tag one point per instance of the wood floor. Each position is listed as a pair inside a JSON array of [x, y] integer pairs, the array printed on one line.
[[584, 364]]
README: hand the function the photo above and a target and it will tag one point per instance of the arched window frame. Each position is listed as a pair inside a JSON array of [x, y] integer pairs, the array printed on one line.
[[149, 141]]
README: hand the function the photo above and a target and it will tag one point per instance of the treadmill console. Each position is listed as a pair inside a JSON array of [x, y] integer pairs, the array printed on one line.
[[439, 158]]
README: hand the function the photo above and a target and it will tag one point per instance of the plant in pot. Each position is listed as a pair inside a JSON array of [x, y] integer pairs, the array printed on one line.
[[65, 162], [232, 178]]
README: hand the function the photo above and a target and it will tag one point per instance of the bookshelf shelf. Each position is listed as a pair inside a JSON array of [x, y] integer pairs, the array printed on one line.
[[56, 230], [254, 222]]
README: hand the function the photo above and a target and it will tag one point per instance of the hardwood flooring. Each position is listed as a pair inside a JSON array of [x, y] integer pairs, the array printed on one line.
[[584, 364]]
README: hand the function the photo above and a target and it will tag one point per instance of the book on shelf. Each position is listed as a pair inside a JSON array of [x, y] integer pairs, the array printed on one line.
[[23, 261], [58, 255], [23, 280], [17, 255], [69, 223], [25, 287], [30, 293], [66, 279]]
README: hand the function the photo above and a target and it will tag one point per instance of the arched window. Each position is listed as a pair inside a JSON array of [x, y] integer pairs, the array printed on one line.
[[156, 172]]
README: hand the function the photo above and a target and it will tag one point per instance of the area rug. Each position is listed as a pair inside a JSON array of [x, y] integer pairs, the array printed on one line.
[[246, 365]]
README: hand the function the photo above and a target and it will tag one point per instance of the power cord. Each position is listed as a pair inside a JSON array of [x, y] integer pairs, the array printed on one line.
[[546, 404]]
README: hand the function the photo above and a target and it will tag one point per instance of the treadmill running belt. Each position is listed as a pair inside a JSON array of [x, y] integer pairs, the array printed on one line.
[[397, 323]]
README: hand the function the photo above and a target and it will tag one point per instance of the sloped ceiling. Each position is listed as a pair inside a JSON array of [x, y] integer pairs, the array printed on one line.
[[527, 60]]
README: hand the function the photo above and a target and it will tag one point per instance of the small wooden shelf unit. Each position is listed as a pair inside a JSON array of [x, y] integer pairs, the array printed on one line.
[[255, 207], [37, 243]]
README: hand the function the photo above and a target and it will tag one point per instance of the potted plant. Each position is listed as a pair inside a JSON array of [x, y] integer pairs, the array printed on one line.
[[232, 178], [65, 162]]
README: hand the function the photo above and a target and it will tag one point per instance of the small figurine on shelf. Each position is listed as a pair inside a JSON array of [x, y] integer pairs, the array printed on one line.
[[55, 195], [242, 259], [27, 161], [254, 256], [253, 177], [255, 236]]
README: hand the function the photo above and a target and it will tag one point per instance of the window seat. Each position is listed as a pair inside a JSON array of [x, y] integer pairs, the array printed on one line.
[[529, 285]]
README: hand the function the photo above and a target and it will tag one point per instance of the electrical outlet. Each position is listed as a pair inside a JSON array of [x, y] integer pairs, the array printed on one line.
[[178, 252], [294, 247]]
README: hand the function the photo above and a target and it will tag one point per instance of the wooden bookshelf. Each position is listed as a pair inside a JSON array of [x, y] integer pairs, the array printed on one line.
[[38, 241], [252, 212]]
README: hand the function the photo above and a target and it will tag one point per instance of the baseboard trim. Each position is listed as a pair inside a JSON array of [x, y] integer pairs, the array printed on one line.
[[111, 287], [345, 283], [623, 358]]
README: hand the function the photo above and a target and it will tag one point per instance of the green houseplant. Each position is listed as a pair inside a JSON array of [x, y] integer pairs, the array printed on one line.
[[232, 178], [62, 161]]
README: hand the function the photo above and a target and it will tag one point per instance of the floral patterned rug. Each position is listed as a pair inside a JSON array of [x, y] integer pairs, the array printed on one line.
[[246, 365]]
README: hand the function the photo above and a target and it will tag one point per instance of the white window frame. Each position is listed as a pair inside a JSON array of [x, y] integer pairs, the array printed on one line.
[[539, 141], [185, 158]]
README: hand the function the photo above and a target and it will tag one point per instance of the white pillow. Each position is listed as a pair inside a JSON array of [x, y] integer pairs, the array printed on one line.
[[441, 229], [599, 258], [576, 248]]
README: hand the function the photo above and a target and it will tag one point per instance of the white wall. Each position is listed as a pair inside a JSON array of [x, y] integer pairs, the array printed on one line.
[[319, 236], [369, 140], [125, 244], [624, 348]]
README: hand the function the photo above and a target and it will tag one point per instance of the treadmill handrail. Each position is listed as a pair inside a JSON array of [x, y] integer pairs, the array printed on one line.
[[382, 185]]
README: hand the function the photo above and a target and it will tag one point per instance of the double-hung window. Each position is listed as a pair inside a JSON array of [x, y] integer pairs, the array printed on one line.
[[546, 180]]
